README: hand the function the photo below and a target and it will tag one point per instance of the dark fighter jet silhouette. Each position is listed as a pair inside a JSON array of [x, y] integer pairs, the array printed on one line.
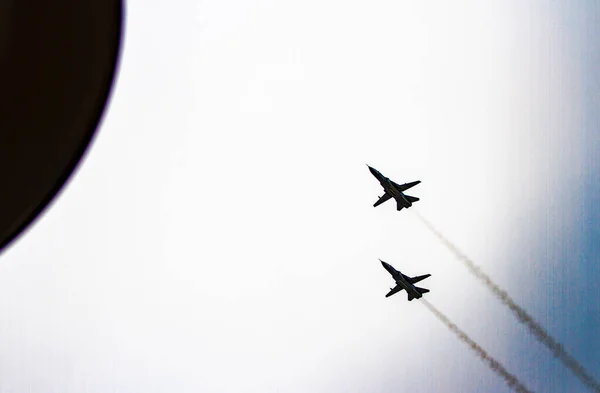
[[394, 190]]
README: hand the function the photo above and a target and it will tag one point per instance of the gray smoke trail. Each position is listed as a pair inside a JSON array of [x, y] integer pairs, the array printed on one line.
[[492, 363], [557, 349]]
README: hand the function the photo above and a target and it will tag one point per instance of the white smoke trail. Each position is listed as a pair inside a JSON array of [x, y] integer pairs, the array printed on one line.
[[492, 363], [538, 331]]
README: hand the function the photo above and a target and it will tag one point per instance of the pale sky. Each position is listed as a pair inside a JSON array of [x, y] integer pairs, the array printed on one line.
[[220, 236]]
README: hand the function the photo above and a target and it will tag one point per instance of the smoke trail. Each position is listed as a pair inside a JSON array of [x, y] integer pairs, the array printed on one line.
[[557, 349], [492, 363]]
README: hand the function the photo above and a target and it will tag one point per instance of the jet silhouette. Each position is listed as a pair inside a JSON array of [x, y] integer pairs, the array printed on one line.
[[394, 190], [405, 282]]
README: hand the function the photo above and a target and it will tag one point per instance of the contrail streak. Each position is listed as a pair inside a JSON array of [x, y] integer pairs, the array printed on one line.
[[538, 331], [492, 363]]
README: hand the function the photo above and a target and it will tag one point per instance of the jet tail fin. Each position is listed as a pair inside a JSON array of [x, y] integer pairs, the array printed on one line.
[[411, 199], [422, 290]]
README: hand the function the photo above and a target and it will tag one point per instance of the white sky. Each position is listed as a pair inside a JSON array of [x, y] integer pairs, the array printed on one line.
[[220, 234]]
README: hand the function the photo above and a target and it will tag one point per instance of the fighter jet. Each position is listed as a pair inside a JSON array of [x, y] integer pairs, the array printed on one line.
[[393, 190], [405, 282]]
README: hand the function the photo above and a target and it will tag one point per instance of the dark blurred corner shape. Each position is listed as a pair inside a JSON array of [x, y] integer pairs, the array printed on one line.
[[57, 64]]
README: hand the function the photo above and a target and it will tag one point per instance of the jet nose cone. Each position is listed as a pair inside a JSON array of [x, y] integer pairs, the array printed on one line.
[[372, 170]]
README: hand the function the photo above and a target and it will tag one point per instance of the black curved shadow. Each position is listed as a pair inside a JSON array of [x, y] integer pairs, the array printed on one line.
[[57, 71]]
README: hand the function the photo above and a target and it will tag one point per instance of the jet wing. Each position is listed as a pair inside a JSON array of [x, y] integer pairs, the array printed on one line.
[[405, 186], [416, 279], [397, 288], [384, 198]]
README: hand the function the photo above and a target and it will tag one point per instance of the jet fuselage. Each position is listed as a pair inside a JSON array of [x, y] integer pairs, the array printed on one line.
[[389, 188], [400, 280]]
